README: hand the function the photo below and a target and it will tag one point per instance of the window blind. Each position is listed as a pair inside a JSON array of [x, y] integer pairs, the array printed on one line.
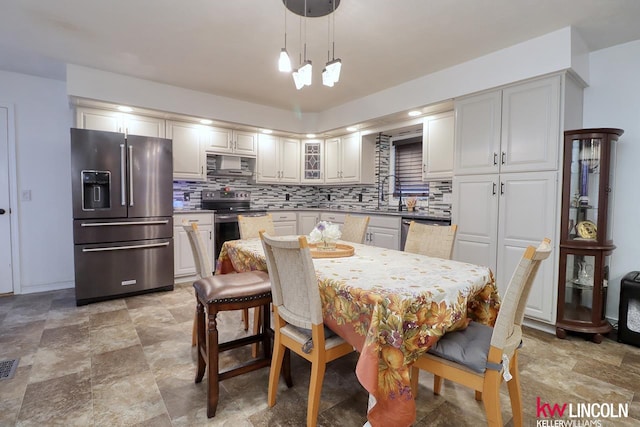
[[408, 168]]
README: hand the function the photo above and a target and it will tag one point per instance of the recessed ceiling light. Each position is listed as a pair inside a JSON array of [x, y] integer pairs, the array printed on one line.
[[415, 113], [267, 131], [125, 109], [352, 129], [206, 121], [311, 135]]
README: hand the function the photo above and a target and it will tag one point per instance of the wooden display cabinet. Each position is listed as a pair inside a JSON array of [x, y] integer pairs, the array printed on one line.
[[585, 240]]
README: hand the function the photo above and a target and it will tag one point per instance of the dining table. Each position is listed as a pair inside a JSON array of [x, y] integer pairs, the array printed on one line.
[[392, 306]]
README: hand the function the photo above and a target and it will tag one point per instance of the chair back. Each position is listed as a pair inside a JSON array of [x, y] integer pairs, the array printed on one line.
[[250, 226], [507, 332], [294, 285], [431, 240], [199, 250], [354, 228]]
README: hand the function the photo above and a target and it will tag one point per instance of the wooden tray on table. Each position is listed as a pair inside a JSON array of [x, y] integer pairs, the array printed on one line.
[[341, 250]]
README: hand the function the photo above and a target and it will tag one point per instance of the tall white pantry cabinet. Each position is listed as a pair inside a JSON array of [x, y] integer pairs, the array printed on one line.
[[506, 184]]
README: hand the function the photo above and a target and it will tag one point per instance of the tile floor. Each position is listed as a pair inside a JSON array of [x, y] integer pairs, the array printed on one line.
[[129, 362]]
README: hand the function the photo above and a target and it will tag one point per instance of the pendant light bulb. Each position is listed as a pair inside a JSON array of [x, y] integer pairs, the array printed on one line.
[[306, 71], [298, 79], [284, 63]]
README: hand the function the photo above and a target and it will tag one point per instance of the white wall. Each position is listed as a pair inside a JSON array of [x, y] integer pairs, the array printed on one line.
[[42, 122], [613, 100]]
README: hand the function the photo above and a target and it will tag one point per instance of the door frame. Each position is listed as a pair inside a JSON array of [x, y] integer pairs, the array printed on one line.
[[14, 228]]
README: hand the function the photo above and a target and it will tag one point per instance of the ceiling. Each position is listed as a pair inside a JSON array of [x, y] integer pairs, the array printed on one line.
[[230, 48]]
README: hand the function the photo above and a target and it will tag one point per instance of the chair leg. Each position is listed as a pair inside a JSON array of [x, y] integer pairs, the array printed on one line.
[[491, 398], [415, 377], [257, 323], [286, 368], [315, 389], [274, 372], [514, 391], [194, 332], [437, 384], [201, 342], [245, 318], [213, 387]]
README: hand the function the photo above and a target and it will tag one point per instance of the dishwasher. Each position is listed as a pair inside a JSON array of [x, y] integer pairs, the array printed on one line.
[[404, 230]]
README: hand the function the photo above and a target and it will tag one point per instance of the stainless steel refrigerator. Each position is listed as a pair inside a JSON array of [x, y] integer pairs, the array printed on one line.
[[122, 190]]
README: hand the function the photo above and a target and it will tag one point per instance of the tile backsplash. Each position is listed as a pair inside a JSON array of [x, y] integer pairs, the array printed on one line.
[[308, 196]]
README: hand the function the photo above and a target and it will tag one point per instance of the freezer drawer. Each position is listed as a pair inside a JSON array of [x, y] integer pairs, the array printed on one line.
[[86, 231], [110, 270]]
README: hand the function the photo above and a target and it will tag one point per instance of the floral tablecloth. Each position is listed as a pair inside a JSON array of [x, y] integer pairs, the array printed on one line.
[[391, 306]]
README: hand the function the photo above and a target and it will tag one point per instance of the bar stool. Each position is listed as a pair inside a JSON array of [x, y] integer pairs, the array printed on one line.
[[223, 293]]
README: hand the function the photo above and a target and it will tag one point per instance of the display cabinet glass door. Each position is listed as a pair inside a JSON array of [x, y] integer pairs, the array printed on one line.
[[312, 161], [584, 189]]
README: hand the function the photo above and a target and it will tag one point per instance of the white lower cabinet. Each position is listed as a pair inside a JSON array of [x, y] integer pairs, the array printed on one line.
[[183, 260], [285, 223], [383, 232], [498, 216], [307, 221]]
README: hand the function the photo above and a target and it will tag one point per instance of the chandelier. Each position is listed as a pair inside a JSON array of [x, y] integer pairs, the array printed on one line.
[[302, 76]]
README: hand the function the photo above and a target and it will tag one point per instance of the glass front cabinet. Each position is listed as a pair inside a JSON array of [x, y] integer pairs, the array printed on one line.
[[585, 240]]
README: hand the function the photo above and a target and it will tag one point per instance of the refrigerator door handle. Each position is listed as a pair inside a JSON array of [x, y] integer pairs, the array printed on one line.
[[120, 248], [102, 224], [123, 178], [130, 175]]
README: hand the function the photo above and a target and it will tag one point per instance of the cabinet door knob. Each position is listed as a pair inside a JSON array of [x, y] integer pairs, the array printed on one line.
[[495, 159], [502, 188], [494, 188], [2, 211], [504, 156]]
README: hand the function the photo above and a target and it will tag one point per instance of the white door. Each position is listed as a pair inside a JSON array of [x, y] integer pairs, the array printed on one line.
[[350, 158], [6, 277], [268, 162]]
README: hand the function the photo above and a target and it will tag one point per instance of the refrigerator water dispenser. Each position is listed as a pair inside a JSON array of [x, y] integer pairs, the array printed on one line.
[[95, 190]]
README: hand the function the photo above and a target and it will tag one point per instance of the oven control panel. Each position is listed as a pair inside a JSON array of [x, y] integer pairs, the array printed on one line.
[[225, 195]]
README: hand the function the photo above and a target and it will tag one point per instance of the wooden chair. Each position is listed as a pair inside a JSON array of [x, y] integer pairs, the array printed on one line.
[[203, 264], [354, 228], [431, 240], [298, 323], [250, 226], [223, 293], [479, 356]]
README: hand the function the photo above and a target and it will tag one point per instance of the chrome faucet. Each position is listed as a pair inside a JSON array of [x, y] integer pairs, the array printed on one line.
[[399, 185]]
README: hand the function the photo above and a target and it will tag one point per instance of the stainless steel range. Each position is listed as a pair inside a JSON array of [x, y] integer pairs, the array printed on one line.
[[228, 204]]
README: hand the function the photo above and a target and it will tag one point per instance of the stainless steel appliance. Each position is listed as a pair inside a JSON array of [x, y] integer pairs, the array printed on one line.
[[228, 204], [406, 221], [122, 189]]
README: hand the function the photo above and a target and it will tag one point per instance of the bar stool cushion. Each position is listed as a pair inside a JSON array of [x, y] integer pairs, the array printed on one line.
[[233, 288]]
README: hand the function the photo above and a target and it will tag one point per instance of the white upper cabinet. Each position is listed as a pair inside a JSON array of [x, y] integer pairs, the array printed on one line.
[[189, 158], [349, 159], [115, 121], [477, 133], [437, 147], [510, 130], [228, 141], [530, 126], [278, 160]]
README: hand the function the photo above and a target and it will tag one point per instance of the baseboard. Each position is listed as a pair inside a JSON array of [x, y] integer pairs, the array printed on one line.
[[541, 326], [46, 287]]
